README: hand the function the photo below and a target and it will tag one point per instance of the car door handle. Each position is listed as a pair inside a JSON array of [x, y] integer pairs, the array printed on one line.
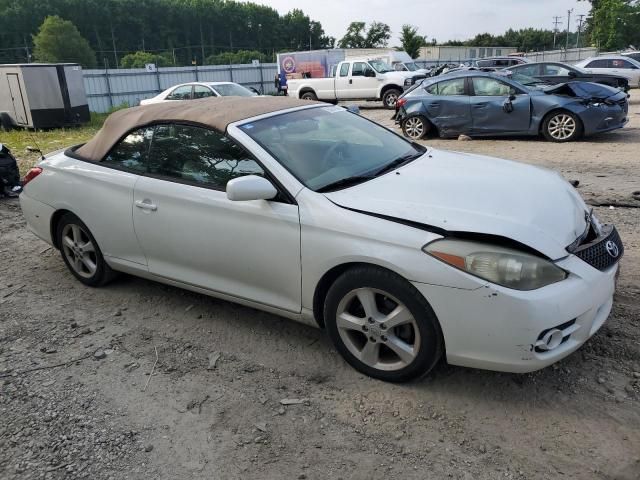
[[146, 205], [350, 81]]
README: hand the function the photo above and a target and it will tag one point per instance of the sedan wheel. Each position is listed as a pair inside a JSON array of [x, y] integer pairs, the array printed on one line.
[[382, 325], [415, 128], [378, 329], [562, 127], [81, 253], [79, 250]]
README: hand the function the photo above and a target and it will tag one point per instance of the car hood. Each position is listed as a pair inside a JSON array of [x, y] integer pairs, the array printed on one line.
[[586, 90], [460, 192]]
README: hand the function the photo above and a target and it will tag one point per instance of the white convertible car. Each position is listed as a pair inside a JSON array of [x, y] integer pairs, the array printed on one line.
[[402, 253], [198, 90]]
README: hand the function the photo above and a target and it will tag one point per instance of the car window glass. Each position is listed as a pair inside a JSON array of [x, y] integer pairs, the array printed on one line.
[[344, 70], [180, 93], [490, 87], [598, 64], [626, 64], [358, 69], [530, 70], [198, 155], [200, 91], [555, 70], [131, 152], [448, 87]]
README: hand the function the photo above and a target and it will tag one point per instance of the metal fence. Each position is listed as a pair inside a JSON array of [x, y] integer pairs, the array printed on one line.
[[572, 55], [109, 88]]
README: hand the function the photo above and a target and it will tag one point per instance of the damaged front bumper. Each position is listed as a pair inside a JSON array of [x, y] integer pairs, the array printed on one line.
[[517, 331]]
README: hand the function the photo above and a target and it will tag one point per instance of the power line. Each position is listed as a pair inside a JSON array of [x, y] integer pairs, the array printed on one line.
[[556, 22]]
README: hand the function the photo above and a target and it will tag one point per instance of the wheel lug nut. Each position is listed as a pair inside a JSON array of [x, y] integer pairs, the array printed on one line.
[[370, 320], [383, 326], [372, 339], [383, 338], [365, 328]]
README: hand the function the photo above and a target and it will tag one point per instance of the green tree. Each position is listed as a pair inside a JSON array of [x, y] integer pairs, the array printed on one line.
[[238, 57], [411, 41], [376, 36], [140, 59], [59, 40], [614, 24]]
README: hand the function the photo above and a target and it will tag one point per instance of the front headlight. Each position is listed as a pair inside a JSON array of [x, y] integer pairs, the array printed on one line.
[[504, 266]]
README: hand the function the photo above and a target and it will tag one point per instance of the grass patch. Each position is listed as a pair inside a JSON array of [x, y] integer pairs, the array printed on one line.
[[48, 140]]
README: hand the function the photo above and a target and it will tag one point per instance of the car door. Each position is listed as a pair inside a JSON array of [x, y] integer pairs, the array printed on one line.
[[626, 69], [447, 106], [364, 81], [192, 233], [107, 188], [343, 82], [490, 108]]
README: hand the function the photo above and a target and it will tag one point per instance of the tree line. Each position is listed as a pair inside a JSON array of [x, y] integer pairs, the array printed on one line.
[[130, 33], [183, 30]]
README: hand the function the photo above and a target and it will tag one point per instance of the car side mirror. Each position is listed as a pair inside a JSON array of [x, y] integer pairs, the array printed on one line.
[[369, 73], [250, 187]]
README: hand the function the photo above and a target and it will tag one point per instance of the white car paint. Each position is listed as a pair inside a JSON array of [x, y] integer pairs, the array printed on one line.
[[213, 87], [630, 68], [272, 255]]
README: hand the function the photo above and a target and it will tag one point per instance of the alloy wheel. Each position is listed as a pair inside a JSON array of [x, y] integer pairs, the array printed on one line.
[[378, 329], [562, 126], [414, 127], [79, 250]]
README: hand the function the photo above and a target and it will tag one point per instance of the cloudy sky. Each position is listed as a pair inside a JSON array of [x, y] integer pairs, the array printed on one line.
[[440, 19]]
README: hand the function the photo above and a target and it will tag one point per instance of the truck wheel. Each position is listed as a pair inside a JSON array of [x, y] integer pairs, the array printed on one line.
[[308, 96], [390, 98]]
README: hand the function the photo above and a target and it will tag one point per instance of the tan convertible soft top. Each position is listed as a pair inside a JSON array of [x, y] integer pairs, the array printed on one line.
[[216, 113]]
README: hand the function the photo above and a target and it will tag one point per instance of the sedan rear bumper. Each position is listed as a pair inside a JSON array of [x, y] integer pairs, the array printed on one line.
[[496, 328]]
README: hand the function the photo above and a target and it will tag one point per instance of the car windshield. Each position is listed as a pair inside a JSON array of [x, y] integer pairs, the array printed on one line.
[[380, 66], [412, 66], [329, 148], [233, 90]]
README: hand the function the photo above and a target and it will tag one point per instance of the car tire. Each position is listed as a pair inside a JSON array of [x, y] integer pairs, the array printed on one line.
[[309, 96], [390, 97], [407, 349], [81, 253], [562, 126], [416, 127]]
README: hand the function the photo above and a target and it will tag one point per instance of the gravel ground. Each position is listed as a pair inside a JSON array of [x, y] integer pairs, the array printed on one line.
[[77, 400]]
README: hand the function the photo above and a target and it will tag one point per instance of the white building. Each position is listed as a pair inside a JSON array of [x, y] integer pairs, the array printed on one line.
[[443, 53]]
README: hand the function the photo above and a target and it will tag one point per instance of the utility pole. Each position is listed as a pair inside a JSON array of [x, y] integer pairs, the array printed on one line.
[[568, 27], [113, 41], [580, 17], [556, 22]]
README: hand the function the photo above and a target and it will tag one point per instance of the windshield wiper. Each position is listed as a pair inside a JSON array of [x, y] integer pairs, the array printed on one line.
[[345, 182], [398, 162]]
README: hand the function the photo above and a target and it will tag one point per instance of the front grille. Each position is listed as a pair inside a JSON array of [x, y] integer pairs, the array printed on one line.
[[598, 255]]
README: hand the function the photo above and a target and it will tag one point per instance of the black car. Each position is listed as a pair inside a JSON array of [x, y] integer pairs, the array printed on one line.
[[556, 72]]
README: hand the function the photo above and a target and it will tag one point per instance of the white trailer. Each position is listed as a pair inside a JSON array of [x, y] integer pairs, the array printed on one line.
[[42, 95]]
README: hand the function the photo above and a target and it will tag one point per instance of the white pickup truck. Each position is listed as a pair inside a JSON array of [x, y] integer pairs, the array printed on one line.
[[355, 79]]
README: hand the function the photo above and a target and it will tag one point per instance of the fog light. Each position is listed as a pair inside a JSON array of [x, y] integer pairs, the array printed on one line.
[[552, 339]]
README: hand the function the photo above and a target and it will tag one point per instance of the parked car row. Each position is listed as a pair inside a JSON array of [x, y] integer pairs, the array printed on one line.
[[196, 90], [476, 103]]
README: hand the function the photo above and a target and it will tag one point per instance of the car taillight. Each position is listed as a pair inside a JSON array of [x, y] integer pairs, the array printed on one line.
[[31, 174], [401, 102]]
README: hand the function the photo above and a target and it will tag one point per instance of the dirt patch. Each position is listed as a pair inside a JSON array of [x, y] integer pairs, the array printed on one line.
[[100, 415]]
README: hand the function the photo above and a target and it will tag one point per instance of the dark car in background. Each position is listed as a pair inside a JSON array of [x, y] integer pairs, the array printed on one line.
[[556, 72], [499, 62], [477, 103]]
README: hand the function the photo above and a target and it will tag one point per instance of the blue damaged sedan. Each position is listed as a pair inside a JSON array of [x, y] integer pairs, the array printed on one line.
[[477, 103]]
